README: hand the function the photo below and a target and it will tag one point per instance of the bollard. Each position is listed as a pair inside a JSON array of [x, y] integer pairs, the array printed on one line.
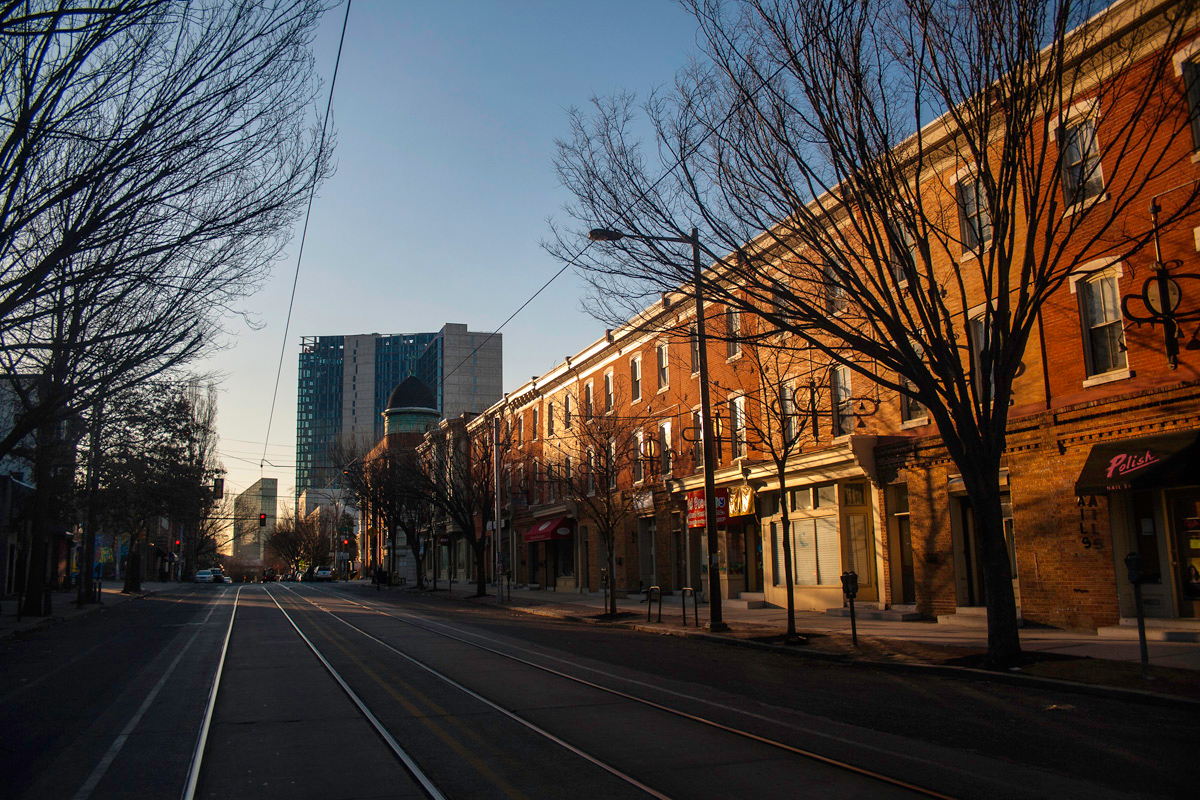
[[650, 601], [1133, 563], [685, 591]]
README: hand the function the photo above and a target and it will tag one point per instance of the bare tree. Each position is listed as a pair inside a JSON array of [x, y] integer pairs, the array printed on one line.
[[153, 157], [298, 542], [455, 475], [870, 173], [595, 460]]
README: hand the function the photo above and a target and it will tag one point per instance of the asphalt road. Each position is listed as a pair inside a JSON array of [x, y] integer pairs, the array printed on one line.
[[332, 691]]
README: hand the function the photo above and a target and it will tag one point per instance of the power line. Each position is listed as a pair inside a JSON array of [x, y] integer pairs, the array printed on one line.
[[304, 233]]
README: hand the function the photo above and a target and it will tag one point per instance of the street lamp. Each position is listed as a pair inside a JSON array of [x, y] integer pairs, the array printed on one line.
[[715, 622]]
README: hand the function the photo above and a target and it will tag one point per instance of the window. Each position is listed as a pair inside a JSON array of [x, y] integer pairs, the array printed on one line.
[[1104, 334], [612, 464], [535, 431], [664, 377], [608, 392], [588, 406], [591, 472], [903, 257], [1081, 177], [910, 408], [635, 379], [974, 217], [789, 422], [665, 462], [520, 429], [566, 472], [839, 399], [1191, 88], [550, 418], [566, 411], [737, 427], [537, 483], [694, 337], [980, 352], [733, 330], [697, 439], [639, 454], [551, 483]]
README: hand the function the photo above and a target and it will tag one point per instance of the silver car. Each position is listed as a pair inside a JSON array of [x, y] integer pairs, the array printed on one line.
[[204, 576]]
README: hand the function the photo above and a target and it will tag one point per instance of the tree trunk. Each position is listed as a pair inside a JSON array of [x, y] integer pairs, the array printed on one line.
[[479, 546], [786, 536], [612, 576], [983, 492], [37, 584]]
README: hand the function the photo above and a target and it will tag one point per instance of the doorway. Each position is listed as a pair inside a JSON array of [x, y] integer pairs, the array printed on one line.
[[968, 561], [1184, 508], [646, 570]]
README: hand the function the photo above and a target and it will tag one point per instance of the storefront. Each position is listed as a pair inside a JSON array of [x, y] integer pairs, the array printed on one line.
[[551, 553], [1152, 485]]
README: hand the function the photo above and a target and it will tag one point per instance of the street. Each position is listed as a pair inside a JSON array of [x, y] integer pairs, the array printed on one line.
[[332, 691]]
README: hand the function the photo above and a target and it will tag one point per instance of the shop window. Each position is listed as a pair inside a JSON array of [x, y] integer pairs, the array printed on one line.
[[855, 494], [816, 552]]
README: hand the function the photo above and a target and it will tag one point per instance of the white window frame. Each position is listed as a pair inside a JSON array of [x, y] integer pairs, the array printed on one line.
[[663, 362], [635, 379], [737, 426], [1089, 273], [549, 417], [609, 396], [666, 459], [589, 401], [969, 232], [639, 454]]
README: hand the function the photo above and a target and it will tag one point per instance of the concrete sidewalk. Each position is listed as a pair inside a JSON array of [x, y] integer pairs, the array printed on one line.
[[63, 607], [1179, 655]]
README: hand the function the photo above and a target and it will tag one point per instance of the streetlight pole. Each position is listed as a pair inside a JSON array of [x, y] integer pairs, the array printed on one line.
[[715, 623]]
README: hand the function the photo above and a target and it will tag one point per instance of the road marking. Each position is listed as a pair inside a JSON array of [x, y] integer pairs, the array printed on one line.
[[189, 788], [404, 757], [100, 769]]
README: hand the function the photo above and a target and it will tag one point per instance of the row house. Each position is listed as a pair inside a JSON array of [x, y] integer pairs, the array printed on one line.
[[1103, 434]]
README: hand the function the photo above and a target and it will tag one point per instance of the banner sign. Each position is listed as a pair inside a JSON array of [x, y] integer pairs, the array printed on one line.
[[696, 510]]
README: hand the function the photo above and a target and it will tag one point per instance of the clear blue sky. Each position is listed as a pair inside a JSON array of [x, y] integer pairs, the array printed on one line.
[[446, 114]]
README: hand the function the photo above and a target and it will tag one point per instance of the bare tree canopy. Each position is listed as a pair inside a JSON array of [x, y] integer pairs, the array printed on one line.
[[153, 157], [901, 183]]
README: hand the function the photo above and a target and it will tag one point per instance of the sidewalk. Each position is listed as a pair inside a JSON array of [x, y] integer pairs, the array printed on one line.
[[1081, 657], [63, 607]]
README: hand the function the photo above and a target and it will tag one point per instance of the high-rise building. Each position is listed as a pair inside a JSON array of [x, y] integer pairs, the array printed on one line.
[[345, 381]]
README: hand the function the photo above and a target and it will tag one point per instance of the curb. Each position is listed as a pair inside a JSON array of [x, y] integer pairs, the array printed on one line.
[[963, 673], [46, 622]]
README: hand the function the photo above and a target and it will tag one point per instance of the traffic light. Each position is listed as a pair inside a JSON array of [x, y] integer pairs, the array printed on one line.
[[177, 543], [345, 542], [262, 520]]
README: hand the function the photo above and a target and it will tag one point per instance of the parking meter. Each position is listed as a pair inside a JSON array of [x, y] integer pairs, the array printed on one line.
[[850, 584], [1133, 563]]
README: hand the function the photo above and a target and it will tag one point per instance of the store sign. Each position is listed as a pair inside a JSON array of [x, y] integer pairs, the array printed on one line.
[[1125, 463], [696, 510]]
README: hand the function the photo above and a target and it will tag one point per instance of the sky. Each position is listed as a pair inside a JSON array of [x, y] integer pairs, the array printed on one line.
[[446, 113]]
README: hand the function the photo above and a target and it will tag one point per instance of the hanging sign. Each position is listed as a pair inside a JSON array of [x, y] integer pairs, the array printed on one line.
[[696, 511]]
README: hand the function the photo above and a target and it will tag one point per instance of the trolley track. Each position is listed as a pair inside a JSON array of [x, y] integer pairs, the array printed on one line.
[[449, 632]]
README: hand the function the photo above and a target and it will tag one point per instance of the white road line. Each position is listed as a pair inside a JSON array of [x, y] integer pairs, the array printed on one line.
[[100, 769], [189, 789], [404, 757]]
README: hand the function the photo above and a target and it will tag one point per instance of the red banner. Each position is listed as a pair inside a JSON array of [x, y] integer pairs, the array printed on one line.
[[696, 511]]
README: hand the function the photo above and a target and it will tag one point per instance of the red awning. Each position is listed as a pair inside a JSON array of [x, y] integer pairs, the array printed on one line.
[[557, 528]]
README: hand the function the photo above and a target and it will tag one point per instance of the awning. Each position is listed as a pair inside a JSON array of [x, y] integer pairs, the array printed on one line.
[[1146, 461], [557, 528]]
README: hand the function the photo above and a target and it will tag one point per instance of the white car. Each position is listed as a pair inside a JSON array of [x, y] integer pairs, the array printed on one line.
[[323, 574], [204, 576]]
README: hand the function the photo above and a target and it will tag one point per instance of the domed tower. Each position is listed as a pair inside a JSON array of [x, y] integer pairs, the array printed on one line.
[[410, 408]]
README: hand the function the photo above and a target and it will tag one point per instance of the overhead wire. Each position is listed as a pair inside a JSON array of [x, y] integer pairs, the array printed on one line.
[[304, 233]]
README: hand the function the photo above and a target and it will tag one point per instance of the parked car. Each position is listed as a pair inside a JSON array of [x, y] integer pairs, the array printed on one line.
[[204, 576], [323, 574], [228, 579], [218, 576]]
